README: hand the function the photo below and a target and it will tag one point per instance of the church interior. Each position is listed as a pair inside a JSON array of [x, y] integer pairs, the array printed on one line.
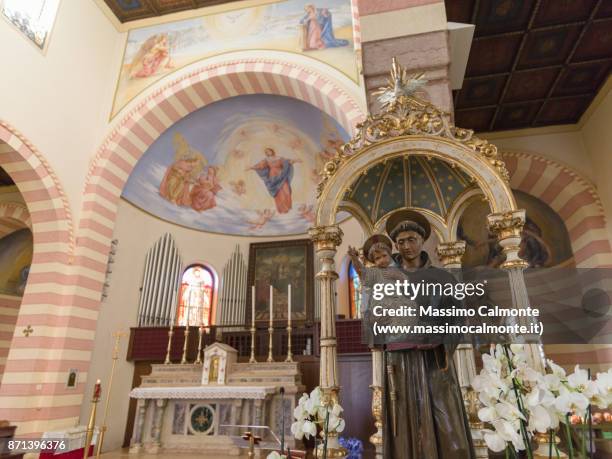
[[181, 182]]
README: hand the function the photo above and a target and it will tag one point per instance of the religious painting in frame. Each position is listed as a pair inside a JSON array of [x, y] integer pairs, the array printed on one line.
[[280, 264]]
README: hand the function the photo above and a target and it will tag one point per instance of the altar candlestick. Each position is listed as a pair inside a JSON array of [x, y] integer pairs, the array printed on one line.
[[168, 349], [92, 418], [271, 305], [270, 327], [186, 342], [289, 353], [198, 359], [253, 330], [97, 389], [117, 335], [289, 304]]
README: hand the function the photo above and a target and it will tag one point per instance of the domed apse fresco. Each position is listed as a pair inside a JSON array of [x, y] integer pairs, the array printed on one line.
[[248, 165]]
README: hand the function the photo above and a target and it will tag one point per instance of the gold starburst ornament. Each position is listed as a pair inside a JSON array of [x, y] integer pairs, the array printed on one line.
[[400, 84]]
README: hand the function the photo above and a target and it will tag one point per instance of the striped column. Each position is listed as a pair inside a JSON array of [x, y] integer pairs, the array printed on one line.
[[33, 394]]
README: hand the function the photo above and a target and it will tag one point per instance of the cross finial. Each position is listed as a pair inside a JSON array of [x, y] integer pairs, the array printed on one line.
[[28, 331]]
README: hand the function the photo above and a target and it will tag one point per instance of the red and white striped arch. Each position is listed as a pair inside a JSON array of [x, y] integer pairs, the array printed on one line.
[[13, 216], [576, 201], [572, 196], [32, 363], [64, 331]]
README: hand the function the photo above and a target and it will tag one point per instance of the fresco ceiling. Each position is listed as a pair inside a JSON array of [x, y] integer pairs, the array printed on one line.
[[247, 165]]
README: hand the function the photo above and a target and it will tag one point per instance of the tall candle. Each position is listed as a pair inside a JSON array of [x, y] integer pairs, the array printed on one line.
[[289, 305], [271, 302], [188, 309], [252, 306], [97, 390]]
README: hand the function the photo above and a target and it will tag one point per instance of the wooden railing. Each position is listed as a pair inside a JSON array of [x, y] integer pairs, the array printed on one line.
[[150, 343]]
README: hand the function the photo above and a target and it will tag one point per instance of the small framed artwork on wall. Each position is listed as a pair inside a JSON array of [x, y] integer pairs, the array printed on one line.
[[73, 378]]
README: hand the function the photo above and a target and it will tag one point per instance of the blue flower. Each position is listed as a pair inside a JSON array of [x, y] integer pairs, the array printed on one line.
[[354, 447]]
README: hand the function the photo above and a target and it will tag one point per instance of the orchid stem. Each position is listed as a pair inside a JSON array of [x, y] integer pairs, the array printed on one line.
[[550, 443], [325, 433], [520, 405], [569, 438]]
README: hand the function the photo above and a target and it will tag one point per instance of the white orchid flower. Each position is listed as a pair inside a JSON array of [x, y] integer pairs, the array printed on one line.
[[556, 369], [488, 414], [540, 395], [494, 441], [491, 364], [604, 384], [552, 382], [510, 432], [297, 429], [539, 419], [509, 411], [309, 428], [571, 402], [579, 379], [336, 424]]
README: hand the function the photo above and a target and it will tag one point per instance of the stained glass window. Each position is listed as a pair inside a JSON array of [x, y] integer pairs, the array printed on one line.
[[196, 296], [354, 292], [34, 18]]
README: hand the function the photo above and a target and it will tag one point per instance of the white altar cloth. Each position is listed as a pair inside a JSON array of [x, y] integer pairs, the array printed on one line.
[[203, 392]]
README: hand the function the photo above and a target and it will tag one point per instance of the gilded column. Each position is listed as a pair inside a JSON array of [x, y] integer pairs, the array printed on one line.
[[326, 239], [377, 399], [508, 226], [136, 442], [451, 254]]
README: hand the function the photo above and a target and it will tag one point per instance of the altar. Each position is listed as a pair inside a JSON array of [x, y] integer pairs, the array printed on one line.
[[198, 407]]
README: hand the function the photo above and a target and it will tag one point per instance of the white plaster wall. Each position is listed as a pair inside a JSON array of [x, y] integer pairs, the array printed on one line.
[[597, 137], [60, 100]]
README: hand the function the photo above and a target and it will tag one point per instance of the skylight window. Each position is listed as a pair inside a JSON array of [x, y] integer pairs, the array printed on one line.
[[34, 18]]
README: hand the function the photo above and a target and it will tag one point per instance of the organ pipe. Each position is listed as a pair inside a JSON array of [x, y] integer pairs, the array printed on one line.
[[160, 284], [232, 299]]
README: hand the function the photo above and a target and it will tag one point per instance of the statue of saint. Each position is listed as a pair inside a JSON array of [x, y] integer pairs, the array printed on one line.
[[424, 414]]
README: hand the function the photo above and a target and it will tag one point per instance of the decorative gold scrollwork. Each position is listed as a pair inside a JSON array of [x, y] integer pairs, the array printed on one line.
[[404, 114]]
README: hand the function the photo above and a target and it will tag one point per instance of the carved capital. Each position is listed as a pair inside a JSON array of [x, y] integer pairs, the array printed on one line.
[[326, 237], [507, 224], [450, 253]]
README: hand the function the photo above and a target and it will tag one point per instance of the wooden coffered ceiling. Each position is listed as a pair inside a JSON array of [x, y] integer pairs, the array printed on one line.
[[532, 62], [131, 10]]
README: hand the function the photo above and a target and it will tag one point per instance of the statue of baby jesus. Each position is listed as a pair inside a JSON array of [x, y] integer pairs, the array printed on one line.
[[382, 269]]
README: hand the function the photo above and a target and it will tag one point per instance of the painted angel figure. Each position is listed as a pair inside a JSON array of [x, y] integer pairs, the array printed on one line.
[[277, 173], [205, 190], [153, 55], [188, 163], [264, 216]]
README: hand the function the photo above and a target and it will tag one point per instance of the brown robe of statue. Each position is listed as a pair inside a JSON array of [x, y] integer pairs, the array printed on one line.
[[423, 399]]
